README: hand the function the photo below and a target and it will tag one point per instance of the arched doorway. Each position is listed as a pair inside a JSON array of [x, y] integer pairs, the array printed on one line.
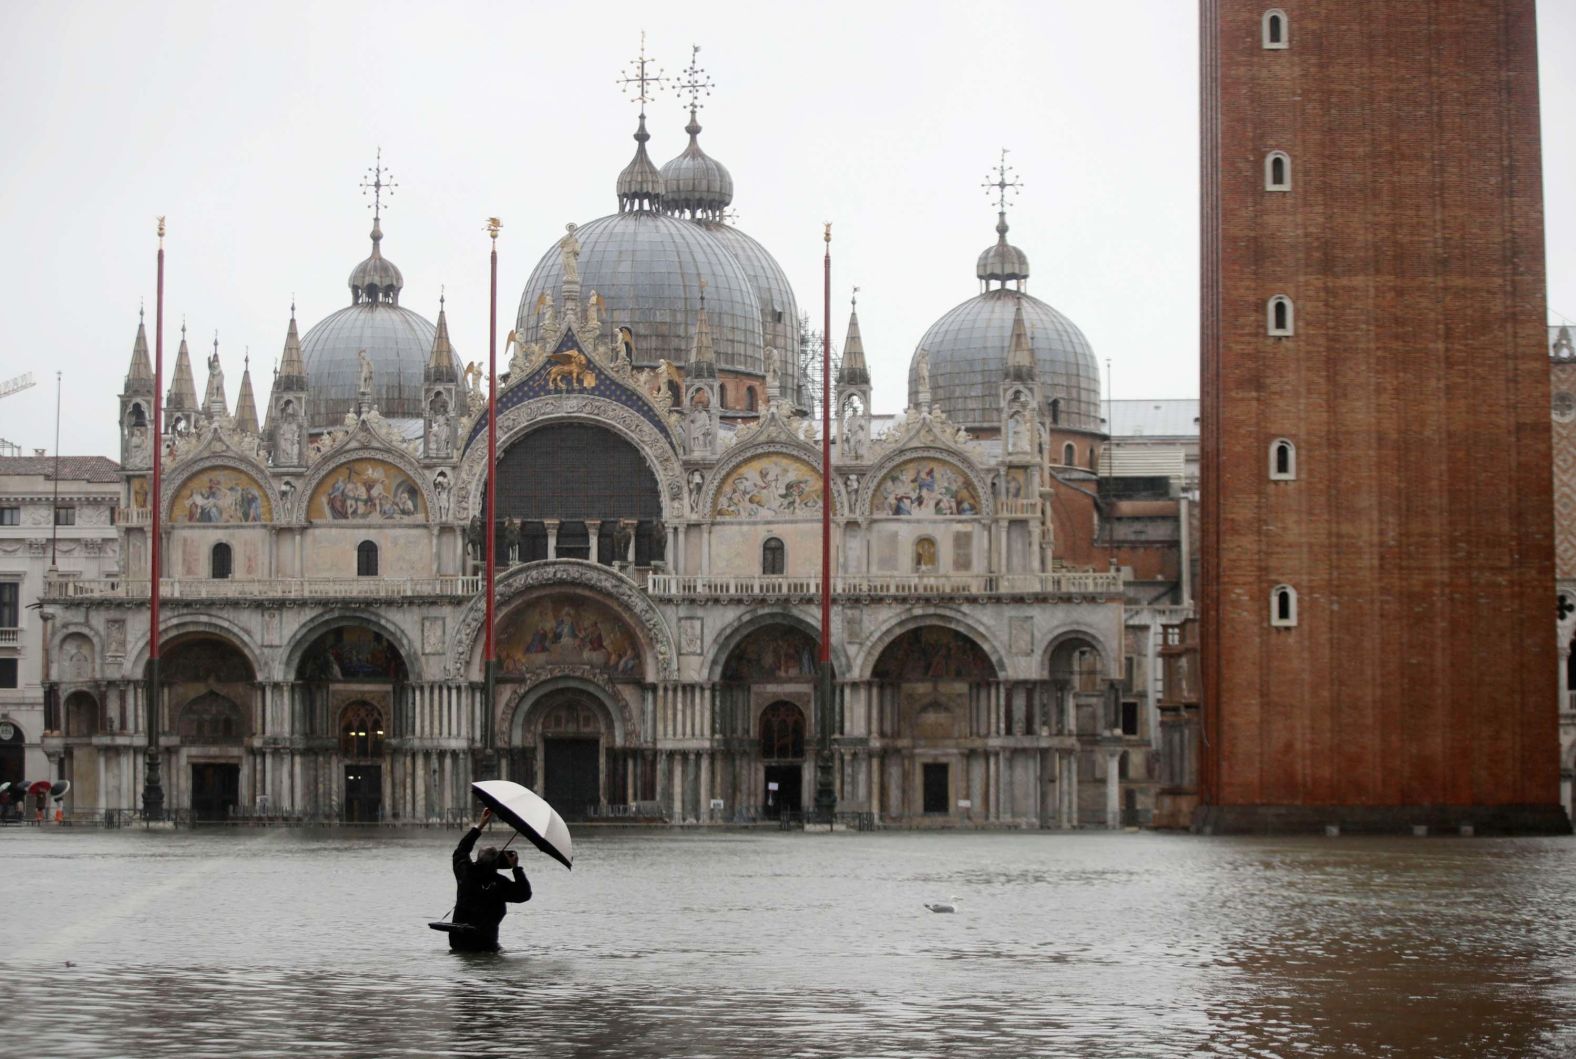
[[1083, 704], [782, 757], [559, 748], [361, 734], [13, 753], [82, 715], [351, 679], [209, 694], [934, 688], [764, 703]]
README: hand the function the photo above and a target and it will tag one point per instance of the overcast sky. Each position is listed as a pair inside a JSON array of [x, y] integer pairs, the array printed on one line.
[[251, 126]]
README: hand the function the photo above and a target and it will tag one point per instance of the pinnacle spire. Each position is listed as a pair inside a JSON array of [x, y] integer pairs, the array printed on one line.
[[1020, 355], [292, 369], [853, 371], [245, 403], [703, 360], [139, 377], [440, 366], [183, 391]]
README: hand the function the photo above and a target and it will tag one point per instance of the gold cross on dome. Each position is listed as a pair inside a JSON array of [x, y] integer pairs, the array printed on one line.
[[378, 185], [696, 81], [1003, 187], [645, 80]]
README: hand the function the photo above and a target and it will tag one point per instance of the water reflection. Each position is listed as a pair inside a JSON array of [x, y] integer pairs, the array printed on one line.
[[277, 943]]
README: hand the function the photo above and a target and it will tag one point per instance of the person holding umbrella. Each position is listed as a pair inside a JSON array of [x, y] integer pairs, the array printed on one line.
[[480, 903]]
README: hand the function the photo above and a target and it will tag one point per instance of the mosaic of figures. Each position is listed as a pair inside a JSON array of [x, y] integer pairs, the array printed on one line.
[[566, 629], [770, 486], [352, 652], [204, 661], [777, 652], [926, 487], [221, 495], [366, 491], [933, 652]]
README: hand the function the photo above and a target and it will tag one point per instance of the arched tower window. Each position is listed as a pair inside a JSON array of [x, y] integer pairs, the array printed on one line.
[[1056, 410], [138, 418], [722, 395], [749, 399], [1277, 31], [1283, 606], [1283, 460], [361, 731], [773, 556], [1069, 455], [1280, 317], [1277, 171], [219, 561], [366, 559]]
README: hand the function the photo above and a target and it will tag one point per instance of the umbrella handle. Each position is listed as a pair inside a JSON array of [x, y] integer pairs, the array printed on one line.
[[511, 839]]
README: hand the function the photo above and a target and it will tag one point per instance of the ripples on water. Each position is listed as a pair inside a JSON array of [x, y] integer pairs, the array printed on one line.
[[669, 944]]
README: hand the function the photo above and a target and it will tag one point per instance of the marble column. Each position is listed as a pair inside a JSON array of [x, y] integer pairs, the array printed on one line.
[[1113, 788], [552, 537], [594, 532]]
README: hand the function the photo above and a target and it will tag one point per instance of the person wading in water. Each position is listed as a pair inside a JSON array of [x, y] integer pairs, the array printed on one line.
[[483, 892]]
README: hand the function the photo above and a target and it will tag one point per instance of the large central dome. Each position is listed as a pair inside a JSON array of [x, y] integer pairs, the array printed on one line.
[[648, 267], [647, 262]]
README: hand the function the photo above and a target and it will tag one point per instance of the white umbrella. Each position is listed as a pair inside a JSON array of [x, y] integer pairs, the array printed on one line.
[[525, 811]]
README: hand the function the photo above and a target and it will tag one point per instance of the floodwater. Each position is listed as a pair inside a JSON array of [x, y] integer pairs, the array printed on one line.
[[658, 943]]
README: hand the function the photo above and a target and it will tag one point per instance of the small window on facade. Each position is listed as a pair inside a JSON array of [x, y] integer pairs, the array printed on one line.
[[1281, 321], [773, 556], [1276, 29], [749, 398], [219, 561], [722, 395], [1283, 606], [138, 417], [10, 516], [1056, 410], [65, 516], [1277, 171], [1283, 460], [1094, 459], [366, 559], [10, 604], [1069, 455], [925, 556], [675, 393], [7, 673]]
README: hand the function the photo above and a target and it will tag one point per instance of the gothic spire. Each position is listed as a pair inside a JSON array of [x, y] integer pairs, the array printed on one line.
[[853, 371], [440, 366], [703, 360], [139, 376], [1020, 355], [245, 403], [183, 391]]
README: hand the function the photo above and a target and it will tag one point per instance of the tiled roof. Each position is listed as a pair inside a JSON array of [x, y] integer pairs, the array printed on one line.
[[98, 469]]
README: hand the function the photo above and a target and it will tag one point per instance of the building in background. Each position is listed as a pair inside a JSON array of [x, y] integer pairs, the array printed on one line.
[[1377, 550], [658, 521], [53, 527]]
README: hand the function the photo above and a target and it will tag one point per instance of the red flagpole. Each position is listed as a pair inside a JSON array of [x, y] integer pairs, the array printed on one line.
[[152, 789], [826, 460], [490, 658]]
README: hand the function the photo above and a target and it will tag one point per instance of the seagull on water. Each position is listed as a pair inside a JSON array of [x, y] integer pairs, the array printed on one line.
[[943, 906]]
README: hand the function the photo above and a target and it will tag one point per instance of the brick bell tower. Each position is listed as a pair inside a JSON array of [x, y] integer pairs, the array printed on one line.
[[1377, 554]]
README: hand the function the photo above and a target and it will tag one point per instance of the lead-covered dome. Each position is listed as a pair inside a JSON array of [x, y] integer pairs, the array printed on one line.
[[396, 340], [695, 184], [648, 266], [779, 308], [968, 361]]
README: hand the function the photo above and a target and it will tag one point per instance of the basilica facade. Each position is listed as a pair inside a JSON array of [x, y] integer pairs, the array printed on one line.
[[659, 500]]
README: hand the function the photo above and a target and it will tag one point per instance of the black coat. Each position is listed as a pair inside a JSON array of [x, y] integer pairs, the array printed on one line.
[[482, 896]]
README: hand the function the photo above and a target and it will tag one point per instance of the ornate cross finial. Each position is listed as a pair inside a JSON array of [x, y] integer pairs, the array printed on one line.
[[378, 185], [1004, 188], [644, 75], [696, 81]]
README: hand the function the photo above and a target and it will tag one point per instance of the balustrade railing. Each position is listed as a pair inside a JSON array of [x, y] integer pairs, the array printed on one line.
[[1058, 583], [266, 588], [10, 637]]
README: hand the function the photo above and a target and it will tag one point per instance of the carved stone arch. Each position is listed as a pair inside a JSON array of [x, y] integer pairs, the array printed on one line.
[[660, 653], [890, 461], [803, 618], [515, 423], [205, 623], [304, 637], [333, 461], [737, 457], [201, 464], [57, 642], [947, 617], [526, 697], [1078, 634]]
